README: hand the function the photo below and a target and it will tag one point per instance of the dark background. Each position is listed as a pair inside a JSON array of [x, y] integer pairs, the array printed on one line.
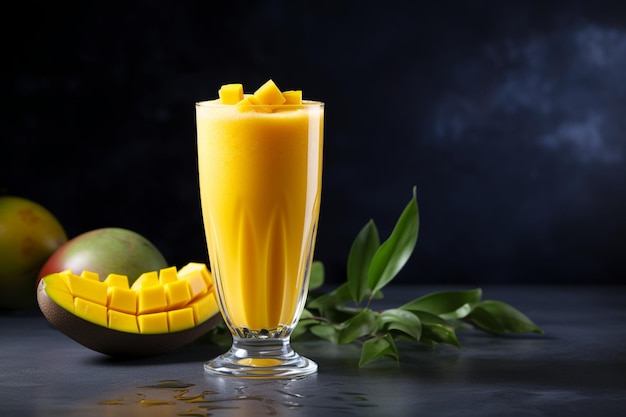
[[508, 116]]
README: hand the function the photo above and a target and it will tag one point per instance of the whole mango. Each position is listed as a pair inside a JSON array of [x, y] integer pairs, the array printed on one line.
[[29, 234], [109, 250]]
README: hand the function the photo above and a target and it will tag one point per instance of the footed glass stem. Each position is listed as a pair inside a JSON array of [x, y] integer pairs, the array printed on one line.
[[261, 358]]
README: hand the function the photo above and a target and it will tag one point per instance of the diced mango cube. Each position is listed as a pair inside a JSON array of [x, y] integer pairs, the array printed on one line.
[[180, 319], [177, 293], [204, 308], [147, 279], [153, 323], [122, 299], [116, 280], [269, 93], [231, 93], [293, 97], [197, 285], [193, 268], [168, 275], [123, 322], [88, 289], [251, 103], [90, 311], [151, 299], [249, 100], [58, 281], [90, 275], [61, 297]]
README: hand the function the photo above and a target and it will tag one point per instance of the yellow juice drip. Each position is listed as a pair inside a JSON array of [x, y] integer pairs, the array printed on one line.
[[260, 184]]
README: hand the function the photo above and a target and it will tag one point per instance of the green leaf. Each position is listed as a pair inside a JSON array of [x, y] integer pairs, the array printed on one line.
[[329, 304], [359, 259], [393, 254], [377, 347], [342, 292], [433, 333], [363, 324], [326, 331], [429, 318], [499, 318], [446, 304], [402, 321], [317, 275]]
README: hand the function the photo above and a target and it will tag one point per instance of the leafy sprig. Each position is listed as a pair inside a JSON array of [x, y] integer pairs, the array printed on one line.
[[347, 314]]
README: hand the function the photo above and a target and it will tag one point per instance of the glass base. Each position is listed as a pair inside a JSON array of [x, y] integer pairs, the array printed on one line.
[[261, 358]]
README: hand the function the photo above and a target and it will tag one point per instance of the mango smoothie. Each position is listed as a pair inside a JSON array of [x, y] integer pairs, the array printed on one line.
[[260, 166]]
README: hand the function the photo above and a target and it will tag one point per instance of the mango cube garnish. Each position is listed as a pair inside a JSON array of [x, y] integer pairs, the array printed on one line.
[[293, 97], [269, 93], [157, 302], [249, 100], [231, 93], [267, 99]]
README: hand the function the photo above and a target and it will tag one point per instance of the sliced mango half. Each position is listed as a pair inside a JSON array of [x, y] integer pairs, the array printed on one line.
[[102, 314]]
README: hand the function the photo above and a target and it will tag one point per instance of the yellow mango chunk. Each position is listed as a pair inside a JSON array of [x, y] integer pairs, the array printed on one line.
[[90, 275], [293, 97], [59, 281], [177, 293], [88, 289], [123, 322], [193, 268], [116, 280], [180, 319], [151, 299], [231, 93], [147, 279], [249, 101], [269, 93], [153, 323], [123, 300], [197, 285], [204, 308], [90, 311], [167, 275], [61, 297]]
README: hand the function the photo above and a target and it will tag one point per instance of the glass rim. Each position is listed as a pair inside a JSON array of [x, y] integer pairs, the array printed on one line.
[[305, 104]]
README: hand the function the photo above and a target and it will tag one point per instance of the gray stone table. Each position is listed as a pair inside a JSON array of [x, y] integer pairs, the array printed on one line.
[[578, 368]]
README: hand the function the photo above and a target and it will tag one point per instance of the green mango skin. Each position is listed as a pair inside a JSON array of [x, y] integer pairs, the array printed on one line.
[[29, 234], [106, 251]]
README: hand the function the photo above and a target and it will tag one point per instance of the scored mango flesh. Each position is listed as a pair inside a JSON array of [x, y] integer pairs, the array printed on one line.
[[267, 98], [157, 302]]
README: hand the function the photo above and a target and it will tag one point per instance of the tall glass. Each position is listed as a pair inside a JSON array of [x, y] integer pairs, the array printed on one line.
[[260, 178]]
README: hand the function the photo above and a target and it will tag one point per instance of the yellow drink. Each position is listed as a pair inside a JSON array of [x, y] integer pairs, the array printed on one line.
[[260, 184]]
